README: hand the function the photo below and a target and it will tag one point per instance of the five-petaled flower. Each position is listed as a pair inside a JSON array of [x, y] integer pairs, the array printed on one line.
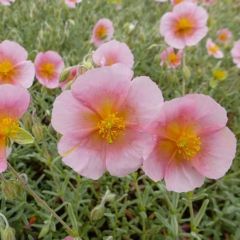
[[14, 101], [102, 120], [185, 26], [49, 66], [14, 67], [102, 32], [192, 142], [113, 52]]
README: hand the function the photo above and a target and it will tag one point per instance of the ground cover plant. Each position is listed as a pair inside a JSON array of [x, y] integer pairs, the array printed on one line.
[[61, 181]]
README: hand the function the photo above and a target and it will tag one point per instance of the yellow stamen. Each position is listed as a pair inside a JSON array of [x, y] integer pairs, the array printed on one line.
[[223, 37], [47, 70], [101, 32], [6, 71], [111, 127], [188, 144], [213, 49], [173, 58], [184, 26], [8, 127]]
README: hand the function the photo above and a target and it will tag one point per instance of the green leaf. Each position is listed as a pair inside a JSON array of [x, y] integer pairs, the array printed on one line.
[[22, 137]]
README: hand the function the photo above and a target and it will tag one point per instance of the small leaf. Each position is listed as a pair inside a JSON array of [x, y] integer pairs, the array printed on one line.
[[22, 137], [201, 213]]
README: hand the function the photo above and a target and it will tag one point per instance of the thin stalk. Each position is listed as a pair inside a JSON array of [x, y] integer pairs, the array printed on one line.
[[39, 200]]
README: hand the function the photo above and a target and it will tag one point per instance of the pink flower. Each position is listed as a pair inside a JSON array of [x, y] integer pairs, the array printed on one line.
[[224, 35], [68, 238], [14, 67], [49, 66], [14, 101], [236, 53], [102, 120], [213, 49], [175, 2], [113, 52], [72, 3], [192, 142], [6, 2], [171, 58], [184, 26], [102, 32]]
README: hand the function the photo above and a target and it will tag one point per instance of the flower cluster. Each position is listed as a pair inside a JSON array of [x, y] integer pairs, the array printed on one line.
[[110, 120]]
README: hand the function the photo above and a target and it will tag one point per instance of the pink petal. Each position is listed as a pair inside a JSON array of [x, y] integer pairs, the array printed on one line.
[[113, 52], [14, 100], [106, 85], [154, 165], [3, 158], [25, 74], [182, 177], [83, 156], [199, 109], [13, 51], [218, 151], [70, 116], [126, 155], [145, 98]]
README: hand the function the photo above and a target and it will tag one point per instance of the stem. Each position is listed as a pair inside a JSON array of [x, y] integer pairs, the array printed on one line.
[[5, 220], [142, 208], [184, 76], [190, 205], [39, 200]]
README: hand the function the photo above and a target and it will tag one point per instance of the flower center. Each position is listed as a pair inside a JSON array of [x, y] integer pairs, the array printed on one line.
[[47, 70], [214, 49], [188, 145], [184, 26], [178, 1], [111, 127], [101, 32], [172, 58], [8, 126], [6, 71], [223, 37]]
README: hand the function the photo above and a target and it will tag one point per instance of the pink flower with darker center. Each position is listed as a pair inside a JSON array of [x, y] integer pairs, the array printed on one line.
[[6, 2], [14, 67], [102, 32], [236, 53], [191, 142], [224, 35], [171, 58], [213, 49], [14, 101], [102, 120], [72, 3], [185, 26], [48, 66], [113, 52]]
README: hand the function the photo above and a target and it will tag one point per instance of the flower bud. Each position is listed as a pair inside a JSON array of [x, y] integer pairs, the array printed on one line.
[[8, 233], [38, 131], [108, 197], [186, 72], [97, 212], [11, 189], [27, 121]]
